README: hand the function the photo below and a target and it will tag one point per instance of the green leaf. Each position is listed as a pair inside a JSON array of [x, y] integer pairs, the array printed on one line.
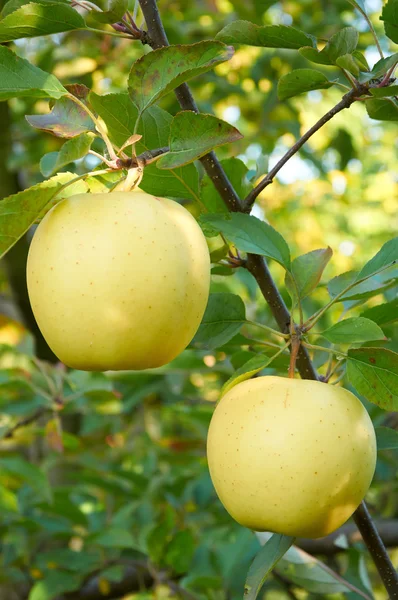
[[19, 78], [353, 331], [361, 60], [300, 81], [367, 289], [343, 42], [120, 115], [180, 551], [252, 235], [381, 67], [20, 211], [32, 20], [13, 5], [267, 36], [247, 370], [307, 271], [8, 501], [114, 538], [66, 119], [386, 257], [72, 150], [390, 17], [384, 314], [382, 92], [382, 110], [27, 473], [309, 573], [116, 11], [53, 585], [265, 561], [374, 374], [236, 171], [315, 56], [387, 438], [193, 135], [223, 318], [348, 62], [157, 73]]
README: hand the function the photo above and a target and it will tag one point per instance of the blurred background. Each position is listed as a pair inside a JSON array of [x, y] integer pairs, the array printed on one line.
[[104, 488]]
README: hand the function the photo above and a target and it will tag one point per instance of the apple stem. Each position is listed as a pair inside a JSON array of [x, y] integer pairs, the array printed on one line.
[[295, 347], [132, 179]]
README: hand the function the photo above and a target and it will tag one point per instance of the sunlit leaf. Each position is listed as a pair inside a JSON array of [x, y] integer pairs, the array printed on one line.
[[300, 81], [157, 73], [19, 78], [32, 20], [267, 36], [72, 150]]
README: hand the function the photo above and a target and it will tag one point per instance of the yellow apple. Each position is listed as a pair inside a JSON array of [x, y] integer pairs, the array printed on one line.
[[291, 456], [118, 280]]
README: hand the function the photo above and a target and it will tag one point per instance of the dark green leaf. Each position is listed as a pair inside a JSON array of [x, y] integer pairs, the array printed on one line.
[[343, 42], [361, 60], [348, 62], [32, 20], [381, 67], [384, 314], [72, 150], [157, 73], [236, 171], [300, 81], [315, 56], [116, 11], [382, 92], [265, 561], [19, 78], [193, 135], [250, 234], [390, 18], [353, 331], [386, 257], [387, 438], [374, 374], [224, 316], [383, 110], [19, 212], [180, 551], [267, 36], [307, 271]]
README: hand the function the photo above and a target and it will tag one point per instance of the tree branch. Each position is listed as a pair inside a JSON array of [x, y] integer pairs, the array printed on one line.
[[258, 267], [345, 102]]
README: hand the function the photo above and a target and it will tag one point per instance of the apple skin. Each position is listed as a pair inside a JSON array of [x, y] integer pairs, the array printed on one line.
[[119, 280], [291, 456]]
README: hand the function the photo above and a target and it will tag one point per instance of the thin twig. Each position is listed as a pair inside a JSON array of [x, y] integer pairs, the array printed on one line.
[[27, 421], [345, 102]]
